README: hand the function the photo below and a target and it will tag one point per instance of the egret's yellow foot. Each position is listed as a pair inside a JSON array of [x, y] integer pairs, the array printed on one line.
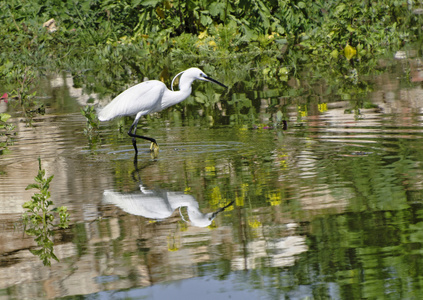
[[154, 149]]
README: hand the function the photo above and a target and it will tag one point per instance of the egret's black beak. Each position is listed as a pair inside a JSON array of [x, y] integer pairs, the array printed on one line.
[[213, 215], [215, 81]]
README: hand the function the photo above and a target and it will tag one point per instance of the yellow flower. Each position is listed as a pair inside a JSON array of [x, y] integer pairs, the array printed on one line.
[[216, 196], [213, 44], [275, 199], [173, 244], [303, 112], [271, 36], [283, 160], [239, 201], [225, 203], [349, 52], [182, 226], [202, 35], [322, 107], [210, 170], [198, 44], [212, 225], [254, 224]]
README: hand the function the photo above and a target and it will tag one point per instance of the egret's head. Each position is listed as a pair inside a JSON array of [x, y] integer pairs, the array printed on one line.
[[196, 74], [200, 75]]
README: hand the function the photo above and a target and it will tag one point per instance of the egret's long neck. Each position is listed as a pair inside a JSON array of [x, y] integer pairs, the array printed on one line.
[[171, 98], [185, 83]]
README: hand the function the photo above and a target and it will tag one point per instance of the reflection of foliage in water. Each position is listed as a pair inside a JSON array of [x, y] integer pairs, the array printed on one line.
[[25, 94], [23, 80], [6, 130], [378, 236], [39, 219]]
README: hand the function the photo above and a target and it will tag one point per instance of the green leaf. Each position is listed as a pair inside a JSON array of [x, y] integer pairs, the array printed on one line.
[[31, 231], [32, 186], [200, 97], [334, 53], [49, 179], [28, 205], [36, 251], [350, 29], [301, 5], [279, 116], [217, 8], [283, 74], [4, 117], [205, 20], [150, 2], [249, 33], [54, 256], [340, 8]]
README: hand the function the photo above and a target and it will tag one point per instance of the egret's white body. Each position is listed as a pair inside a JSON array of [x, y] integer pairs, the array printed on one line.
[[142, 99], [160, 205], [150, 97]]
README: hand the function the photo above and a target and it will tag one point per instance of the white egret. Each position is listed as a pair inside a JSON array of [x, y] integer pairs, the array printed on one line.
[[149, 97], [160, 204]]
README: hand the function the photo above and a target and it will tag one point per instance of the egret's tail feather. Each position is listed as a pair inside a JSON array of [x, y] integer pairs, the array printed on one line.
[[105, 114]]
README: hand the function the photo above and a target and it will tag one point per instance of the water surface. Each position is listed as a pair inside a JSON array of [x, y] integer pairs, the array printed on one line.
[[233, 207]]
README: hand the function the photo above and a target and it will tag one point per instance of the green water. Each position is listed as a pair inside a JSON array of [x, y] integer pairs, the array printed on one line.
[[330, 208]]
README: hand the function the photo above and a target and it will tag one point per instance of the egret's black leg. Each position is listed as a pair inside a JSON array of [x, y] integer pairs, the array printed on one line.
[[134, 143], [135, 165], [134, 136]]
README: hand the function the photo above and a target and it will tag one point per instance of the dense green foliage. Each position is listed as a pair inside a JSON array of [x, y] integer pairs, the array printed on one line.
[[99, 33], [266, 46], [6, 130]]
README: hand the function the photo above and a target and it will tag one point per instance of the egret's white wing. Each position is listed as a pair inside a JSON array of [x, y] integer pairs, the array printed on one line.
[[149, 206], [144, 97]]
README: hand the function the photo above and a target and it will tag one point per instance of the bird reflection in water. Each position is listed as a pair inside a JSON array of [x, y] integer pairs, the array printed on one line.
[[160, 204]]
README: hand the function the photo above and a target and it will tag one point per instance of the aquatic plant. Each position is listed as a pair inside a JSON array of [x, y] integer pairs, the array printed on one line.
[[39, 217], [92, 122]]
